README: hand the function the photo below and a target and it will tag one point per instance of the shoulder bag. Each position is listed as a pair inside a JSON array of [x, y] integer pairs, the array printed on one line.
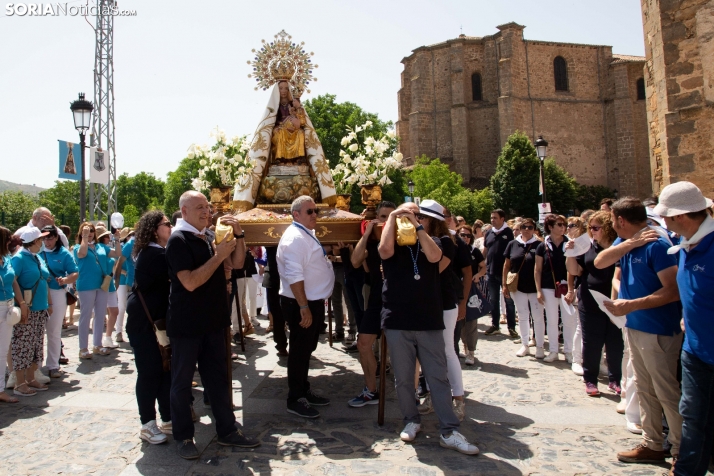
[[561, 289], [69, 294], [512, 278], [106, 278], [160, 332]]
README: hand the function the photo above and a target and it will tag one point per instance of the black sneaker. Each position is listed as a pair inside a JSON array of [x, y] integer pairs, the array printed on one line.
[[316, 400], [283, 353], [237, 438], [491, 330], [513, 334], [338, 336], [302, 408], [187, 449], [351, 348]]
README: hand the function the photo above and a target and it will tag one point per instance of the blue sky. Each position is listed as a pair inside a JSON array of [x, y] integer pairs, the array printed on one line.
[[180, 67]]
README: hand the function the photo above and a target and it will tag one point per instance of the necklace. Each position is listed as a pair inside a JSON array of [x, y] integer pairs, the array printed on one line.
[[414, 260]]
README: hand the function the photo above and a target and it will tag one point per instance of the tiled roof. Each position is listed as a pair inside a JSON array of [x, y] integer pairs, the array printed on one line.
[[617, 59]]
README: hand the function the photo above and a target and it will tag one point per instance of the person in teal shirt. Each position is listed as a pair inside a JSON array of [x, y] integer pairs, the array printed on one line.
[[105, 239], [28, 335], [63, 271], [126, 279]]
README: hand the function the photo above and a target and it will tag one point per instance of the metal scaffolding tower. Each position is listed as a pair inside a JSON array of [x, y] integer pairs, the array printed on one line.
[[103, 197]]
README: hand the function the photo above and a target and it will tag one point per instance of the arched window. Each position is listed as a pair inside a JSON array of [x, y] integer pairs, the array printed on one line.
[[560, 72], [476, 90], [641, 94]]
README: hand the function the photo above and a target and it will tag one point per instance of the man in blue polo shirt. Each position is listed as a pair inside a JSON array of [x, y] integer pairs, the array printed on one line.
[[684, 209], [649, 298]]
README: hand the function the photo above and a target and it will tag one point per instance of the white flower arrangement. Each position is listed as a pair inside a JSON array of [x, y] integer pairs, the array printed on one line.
[[366, 161], [223, 164]]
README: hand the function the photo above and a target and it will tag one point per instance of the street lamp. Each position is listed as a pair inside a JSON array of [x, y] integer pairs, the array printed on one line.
[[410, 185], [82, 113], [541, 147]]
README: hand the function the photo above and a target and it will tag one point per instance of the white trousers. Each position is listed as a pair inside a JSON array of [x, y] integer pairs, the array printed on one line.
[[5, 336], [552, 304], [521, 300], [577, 339], [54, 328], [453, 366], [632, 402], [122, 295]]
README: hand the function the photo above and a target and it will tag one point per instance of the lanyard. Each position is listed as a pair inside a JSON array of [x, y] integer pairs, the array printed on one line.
[[311, 236]]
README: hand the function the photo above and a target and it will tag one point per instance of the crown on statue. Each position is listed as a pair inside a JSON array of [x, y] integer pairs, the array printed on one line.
[[282, 60]]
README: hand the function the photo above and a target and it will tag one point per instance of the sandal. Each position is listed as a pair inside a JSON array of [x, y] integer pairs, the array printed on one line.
[[101, 350], [85, 354], [37, 386], [65, 325], [248, 331], [4, 397], [29, 393]]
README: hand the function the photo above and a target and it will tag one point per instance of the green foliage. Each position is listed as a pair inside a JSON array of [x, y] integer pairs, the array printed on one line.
[[515, 182], [178, 182], [16, 209], [560, 188], [331, 119], [63, 201], [131, 215], [142, 191], [589, 196]]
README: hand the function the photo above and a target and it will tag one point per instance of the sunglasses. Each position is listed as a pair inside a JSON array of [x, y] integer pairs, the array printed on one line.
[[527, 227], [310, 211], [572, 225], [419, 216], [465, 235], [165, 223], [447, 216], [595, 228], [560, 224]]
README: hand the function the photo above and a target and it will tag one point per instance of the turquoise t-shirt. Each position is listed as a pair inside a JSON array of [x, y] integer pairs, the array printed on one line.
[[7, 273], [61, 263], [29, 269], [110, 267], [90, 273], [128, 265]]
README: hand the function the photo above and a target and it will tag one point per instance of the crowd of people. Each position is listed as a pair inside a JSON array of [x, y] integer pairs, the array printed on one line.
[[620, 291]]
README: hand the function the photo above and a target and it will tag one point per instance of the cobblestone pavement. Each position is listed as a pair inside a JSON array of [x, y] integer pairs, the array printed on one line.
[[526, 416]]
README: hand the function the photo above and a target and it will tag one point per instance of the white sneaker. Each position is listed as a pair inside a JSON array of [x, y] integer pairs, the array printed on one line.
[[151, 433], [458, 442], [108, 342], [410, 431], [569, 357], [167, 428], [460, 409], [540, 353], [11, 380], [551, 357], [634, 428], [40, 377], [426, 407], [577, 369], [470, 360], [523, 351], [531, 342]]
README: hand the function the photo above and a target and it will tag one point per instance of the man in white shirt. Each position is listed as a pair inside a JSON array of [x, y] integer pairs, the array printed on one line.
[[43, 217], [306, 280]]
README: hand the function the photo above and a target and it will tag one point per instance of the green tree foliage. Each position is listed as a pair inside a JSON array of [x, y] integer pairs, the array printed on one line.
[[131, 215], [515, 183], [16, 209], [143, 191], [331, 119], [63, 201], [178, 182], [589, 196], [560, 188]]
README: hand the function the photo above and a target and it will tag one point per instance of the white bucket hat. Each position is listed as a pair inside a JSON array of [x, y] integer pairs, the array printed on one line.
[[680, 198], [432, 209]]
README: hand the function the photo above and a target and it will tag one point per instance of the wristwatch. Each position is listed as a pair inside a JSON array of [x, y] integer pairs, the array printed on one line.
[[419, 227], [238, 237]]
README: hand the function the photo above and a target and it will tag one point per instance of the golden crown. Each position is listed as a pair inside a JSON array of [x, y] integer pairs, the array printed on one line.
[[282, 60]]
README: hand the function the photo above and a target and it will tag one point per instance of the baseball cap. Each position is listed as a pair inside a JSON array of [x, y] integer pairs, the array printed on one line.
[[31, 233]]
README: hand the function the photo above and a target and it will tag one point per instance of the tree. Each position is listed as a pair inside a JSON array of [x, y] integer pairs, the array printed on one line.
[[178, 182], [589, 196], [16, 209], [560, 188], [514, 184], [131, 215], [63, 201], [330, 120], [143, 191]]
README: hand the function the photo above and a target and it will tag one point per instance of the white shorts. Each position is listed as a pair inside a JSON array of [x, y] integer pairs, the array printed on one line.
[[112, 300]]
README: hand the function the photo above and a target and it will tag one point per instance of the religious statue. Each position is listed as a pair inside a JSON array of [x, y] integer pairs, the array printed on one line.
[[288, 157], [69, 167]]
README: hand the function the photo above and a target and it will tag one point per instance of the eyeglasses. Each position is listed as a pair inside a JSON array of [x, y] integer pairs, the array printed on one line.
[[165, 223], [595, 228], [310, 211], [572, 225], [560, 224], [527, 227], [465, 235], [419, 216]]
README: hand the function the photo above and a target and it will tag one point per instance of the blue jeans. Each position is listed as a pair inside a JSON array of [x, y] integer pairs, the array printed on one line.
[[697, 410], [494, 291]]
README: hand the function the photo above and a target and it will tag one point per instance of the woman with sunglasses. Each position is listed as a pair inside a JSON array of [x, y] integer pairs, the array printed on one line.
[[63, 271], [597, 328], [576, 227], [521, 258], [151, 278], [550, 272], [113, 251], [92, 261], [469, 334], [431, 217]]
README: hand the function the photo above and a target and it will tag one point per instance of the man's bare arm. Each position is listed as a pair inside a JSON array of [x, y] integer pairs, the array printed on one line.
[[193, 279]]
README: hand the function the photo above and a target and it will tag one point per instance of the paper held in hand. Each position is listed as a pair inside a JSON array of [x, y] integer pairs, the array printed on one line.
[[600, 298], [568, 308], [582, 245]]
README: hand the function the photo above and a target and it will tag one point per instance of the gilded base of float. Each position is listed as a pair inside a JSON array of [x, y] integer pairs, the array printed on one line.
[[265, 225]]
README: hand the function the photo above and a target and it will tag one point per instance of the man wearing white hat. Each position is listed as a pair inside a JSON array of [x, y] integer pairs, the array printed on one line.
[[684, 210]]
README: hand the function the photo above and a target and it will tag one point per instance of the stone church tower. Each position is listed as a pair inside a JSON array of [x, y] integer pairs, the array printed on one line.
[[461, 99]]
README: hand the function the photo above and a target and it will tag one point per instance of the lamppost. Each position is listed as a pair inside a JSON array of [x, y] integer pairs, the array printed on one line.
[[541, 147], [410, 185], [82, 113]]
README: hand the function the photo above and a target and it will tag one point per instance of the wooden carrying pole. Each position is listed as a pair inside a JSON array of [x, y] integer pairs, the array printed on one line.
[[240, 322], [382, 378], [329, 321], [229, 364]]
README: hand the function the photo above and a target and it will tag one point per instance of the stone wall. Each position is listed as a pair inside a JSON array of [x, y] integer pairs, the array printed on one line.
[[679, 72], [439, 118]]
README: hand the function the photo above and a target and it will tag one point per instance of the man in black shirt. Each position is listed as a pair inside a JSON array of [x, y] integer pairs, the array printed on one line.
[[197, 321], [495, 242]]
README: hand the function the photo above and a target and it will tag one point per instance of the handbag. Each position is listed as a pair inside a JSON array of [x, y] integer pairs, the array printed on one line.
[[477, 305], [561, 289], [106, 278], [512, 278], [13, 315], [69, 292], [160, 332]]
